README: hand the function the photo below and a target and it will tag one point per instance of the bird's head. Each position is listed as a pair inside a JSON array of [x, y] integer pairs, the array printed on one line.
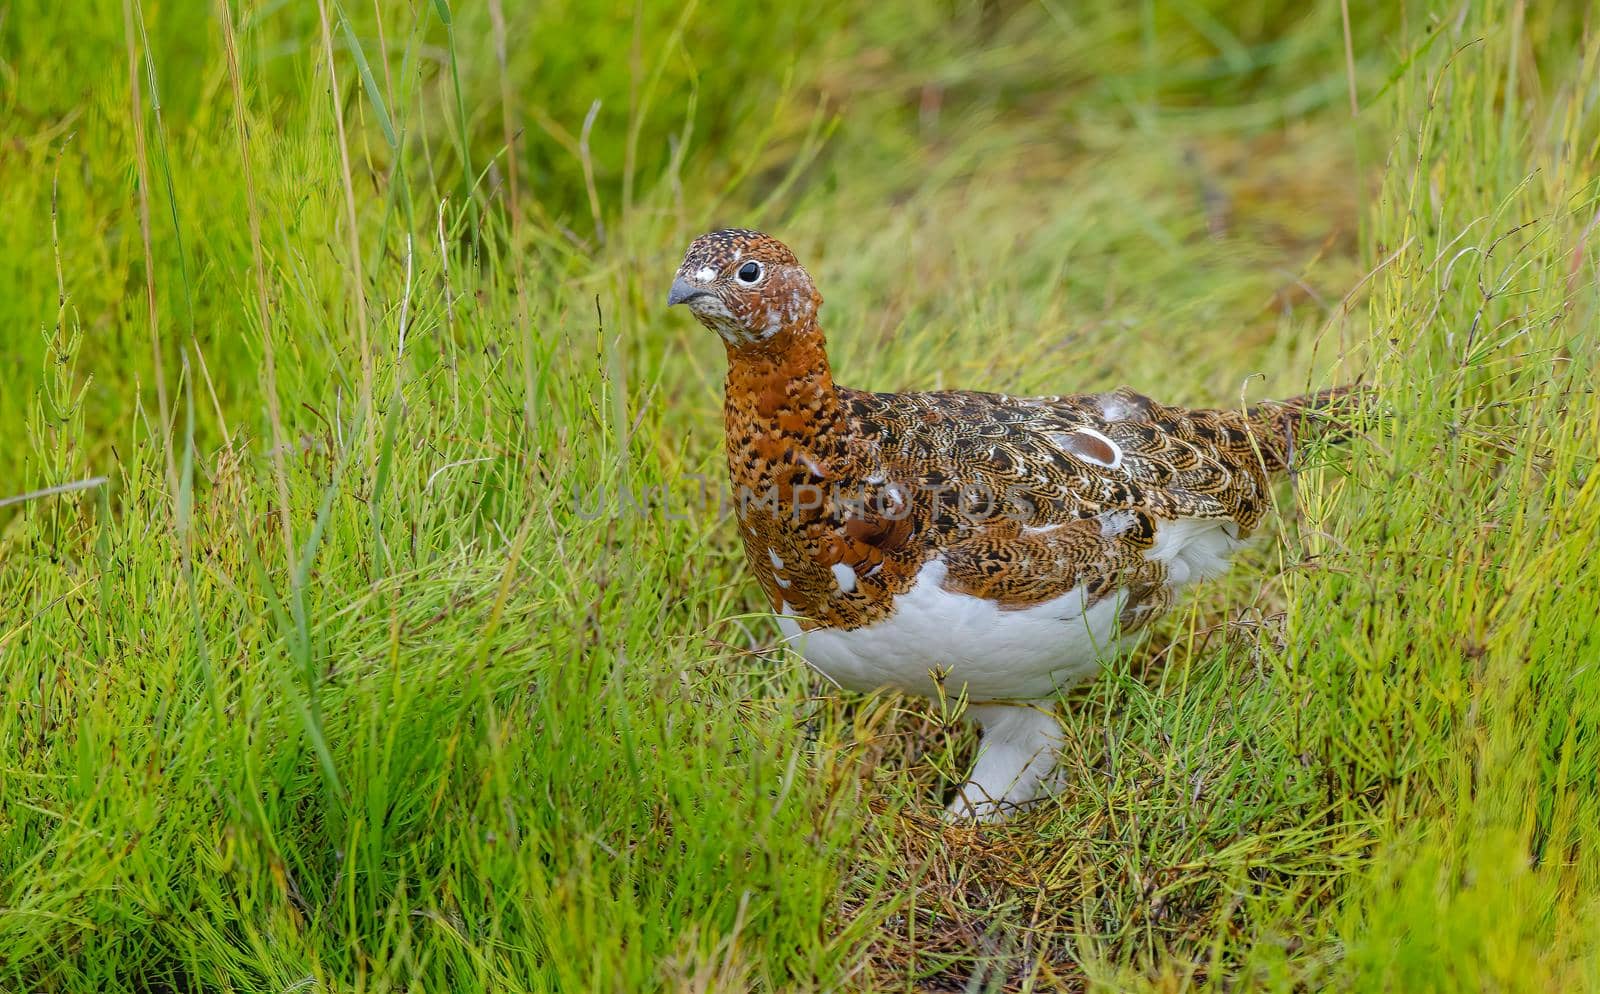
[[746, 287]]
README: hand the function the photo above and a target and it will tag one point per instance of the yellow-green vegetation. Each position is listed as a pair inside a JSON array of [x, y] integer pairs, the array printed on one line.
[[339, 682]]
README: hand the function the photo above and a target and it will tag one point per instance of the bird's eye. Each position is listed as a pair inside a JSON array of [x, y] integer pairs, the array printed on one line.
[[750, 272]]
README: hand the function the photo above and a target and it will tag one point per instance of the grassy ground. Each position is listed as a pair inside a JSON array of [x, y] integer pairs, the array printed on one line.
[[339, 682]]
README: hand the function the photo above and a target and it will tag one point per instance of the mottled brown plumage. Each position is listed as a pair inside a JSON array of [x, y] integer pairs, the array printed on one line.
[[846, 497]]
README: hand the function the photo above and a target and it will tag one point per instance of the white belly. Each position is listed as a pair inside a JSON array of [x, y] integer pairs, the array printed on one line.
[[993, 654], [989, 652]]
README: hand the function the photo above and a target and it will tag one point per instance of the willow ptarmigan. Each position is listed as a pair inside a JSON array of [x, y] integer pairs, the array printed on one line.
[[999, 546]]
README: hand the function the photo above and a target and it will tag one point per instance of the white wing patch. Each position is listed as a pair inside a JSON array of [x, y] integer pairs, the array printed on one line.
[[1114, 523], [1195, 548], [844, 576]]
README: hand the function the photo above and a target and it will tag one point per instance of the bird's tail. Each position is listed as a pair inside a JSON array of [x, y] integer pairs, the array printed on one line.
[[1283, 426]]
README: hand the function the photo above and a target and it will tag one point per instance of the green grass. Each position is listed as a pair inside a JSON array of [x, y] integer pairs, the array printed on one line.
[[336, 684]]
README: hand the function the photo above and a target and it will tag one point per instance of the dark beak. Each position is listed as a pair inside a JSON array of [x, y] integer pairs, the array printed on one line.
[[683, 291]]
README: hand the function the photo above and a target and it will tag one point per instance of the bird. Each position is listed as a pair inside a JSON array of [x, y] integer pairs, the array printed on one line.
[[962, 545]]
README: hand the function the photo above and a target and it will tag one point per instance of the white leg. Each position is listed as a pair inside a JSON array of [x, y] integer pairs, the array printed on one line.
[[1016, 757]]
